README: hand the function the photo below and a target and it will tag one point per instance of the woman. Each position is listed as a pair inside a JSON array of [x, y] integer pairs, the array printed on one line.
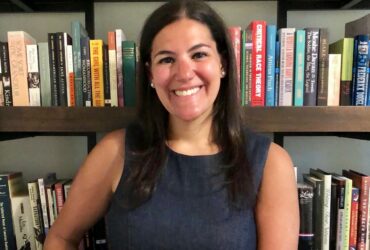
[[187, 175]]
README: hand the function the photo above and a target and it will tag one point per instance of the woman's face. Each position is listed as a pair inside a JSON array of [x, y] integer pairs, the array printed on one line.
[[186, 69]]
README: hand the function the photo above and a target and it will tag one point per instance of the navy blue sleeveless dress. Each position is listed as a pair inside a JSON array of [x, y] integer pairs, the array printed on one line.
[[187, 210]]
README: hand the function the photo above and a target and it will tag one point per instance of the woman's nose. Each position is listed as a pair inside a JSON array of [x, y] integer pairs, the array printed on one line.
[[184, 70]]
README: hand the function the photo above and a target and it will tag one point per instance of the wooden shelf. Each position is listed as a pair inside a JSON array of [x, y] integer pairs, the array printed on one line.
[[262, 119], [63, 119]]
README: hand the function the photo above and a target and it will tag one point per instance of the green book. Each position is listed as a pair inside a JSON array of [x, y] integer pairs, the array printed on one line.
[[129, 72]]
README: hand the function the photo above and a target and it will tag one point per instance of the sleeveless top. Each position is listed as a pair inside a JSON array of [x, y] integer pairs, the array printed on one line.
[[187, 209]]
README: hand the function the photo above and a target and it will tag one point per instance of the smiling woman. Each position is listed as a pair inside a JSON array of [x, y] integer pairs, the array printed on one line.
[[187, 174]]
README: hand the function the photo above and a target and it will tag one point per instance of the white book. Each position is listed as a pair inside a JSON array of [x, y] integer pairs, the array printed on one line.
[[22, 222], [36, 213], [33, 75], [70, 76], [287, 43], [112, 58], [334, 79]]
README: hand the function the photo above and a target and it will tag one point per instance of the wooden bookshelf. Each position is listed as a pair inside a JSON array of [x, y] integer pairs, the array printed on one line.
[[262, 119]]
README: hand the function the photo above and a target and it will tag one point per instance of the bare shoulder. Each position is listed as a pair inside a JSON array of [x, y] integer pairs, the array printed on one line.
[[277, 213]]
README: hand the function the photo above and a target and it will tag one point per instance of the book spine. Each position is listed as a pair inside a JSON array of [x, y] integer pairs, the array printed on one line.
[[78, 31], [22, 217], [44, 206], [52, 42], [44, 74], [360, 80], [306, 231], [311, 66], [248, 67], [17, 41], [259, 61], [33, 76], [50, 203], [322, 82], [96, 57], [270, 66], [119, 39], [347, 213], [71, 77], [129, 69], [277, 72], [61, 67], [7, 239], [86, 72], [59, 193], [340, 216], [235, 38], [286, 37], [334, 79], [112, 68], [106, 77], [299, 67], [5, 72], [326, 213], [36, 214], [354, 218]]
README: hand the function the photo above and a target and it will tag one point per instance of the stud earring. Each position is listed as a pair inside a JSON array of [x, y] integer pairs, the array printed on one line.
[[223, 73], [152, 85]]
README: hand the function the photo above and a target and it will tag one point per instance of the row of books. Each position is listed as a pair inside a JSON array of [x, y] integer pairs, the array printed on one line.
[[334, 210], [28, 210], [298, 67], [68, 70]]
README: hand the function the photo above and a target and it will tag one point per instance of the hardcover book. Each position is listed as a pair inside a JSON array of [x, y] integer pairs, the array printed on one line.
[[97, 85], [45, 83], [270, 64], [5, 74], [33, 76], [112, 68], [129, 69], [300, 43], [306, 230], [322, 81]]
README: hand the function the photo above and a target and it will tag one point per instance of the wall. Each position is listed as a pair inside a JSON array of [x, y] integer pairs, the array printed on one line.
[[34, 156]]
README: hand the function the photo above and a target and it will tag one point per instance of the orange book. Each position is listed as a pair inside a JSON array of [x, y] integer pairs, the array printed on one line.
[[96, 58], [17, 41]]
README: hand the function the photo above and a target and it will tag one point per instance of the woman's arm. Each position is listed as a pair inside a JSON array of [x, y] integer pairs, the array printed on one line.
[[90, 193], [277, 211]]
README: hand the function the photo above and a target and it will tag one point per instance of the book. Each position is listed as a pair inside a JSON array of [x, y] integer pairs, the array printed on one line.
[[361, 182], [129, 69], [42, 182], [277, 72], [97, 85], [360, 66], [112, 68], [311, 66], [270, 64], [120, 37], [52, 44], [286, 66], [299, 66], [106, 77], [358, 26], [258, 32], [354, 218], [78, 32], [35, 203], [33, 75], [306, 232], [322, 81], [86, 72], [22, 218], [63, 40], [344, 47], [71, 78], [45, 83], [11, 184], [5, 74], [17, 41], [333, 93]]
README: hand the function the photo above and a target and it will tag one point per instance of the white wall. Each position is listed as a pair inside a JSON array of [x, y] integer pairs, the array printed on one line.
[[37, 155]]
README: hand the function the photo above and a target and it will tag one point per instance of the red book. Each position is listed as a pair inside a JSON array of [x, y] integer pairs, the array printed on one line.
[[361, 182], [354, 218], [258, 29]]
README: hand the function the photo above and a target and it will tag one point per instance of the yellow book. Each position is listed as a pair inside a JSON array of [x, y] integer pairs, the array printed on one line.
[[97, 84]]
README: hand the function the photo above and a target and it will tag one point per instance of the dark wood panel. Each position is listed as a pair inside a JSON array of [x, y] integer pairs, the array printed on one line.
[[61, 119], [308, 119], [274, 119]]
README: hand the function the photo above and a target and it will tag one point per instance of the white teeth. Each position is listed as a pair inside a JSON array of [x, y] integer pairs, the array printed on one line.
[[187, 92]]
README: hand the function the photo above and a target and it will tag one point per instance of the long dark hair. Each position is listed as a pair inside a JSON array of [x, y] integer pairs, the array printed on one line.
[[149, 148]]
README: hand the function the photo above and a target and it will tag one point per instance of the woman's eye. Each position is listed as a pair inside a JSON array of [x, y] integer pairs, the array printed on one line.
[[199, 55], [166, 60]]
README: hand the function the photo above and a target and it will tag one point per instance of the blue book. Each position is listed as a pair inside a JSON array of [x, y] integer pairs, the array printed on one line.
[[270, 66], [368, 78], [300, 43], [277, 72], [360, 71]]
